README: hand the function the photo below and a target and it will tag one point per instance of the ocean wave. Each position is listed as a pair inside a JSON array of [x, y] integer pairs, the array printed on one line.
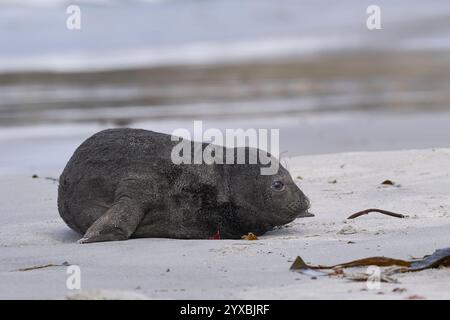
[[191, 54]]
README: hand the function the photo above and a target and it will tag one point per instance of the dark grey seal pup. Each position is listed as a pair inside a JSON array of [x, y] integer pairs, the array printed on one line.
[[122, 183]]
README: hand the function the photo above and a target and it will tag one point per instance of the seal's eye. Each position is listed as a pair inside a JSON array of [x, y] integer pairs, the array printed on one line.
[[277, 185]]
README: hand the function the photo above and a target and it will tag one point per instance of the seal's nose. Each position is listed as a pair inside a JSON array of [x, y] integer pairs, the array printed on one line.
[[306, 205], [300, 207]]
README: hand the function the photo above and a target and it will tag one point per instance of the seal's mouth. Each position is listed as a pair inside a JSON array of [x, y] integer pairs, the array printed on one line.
[[305, 214], [299, 209], [300, 214]]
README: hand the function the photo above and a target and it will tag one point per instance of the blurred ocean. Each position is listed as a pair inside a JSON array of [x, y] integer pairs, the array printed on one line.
[[310, 68], [118, 34]]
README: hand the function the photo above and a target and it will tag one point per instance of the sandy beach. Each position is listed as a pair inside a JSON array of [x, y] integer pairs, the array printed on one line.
[[32, 234], [355, 104]]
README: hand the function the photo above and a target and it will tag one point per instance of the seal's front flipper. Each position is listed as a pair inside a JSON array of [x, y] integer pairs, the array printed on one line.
[[118, 223]]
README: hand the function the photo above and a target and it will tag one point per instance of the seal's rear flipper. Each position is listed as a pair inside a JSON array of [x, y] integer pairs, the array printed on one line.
[[118, 223]]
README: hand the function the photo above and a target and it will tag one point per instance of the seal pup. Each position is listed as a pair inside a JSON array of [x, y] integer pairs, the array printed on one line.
[[122, 183]]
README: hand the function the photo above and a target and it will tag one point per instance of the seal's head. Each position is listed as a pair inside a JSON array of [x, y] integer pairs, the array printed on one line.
[[283, 199], [267, 201]]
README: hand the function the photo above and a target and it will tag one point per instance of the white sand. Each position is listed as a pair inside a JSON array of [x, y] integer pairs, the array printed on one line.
[[32, 234]]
